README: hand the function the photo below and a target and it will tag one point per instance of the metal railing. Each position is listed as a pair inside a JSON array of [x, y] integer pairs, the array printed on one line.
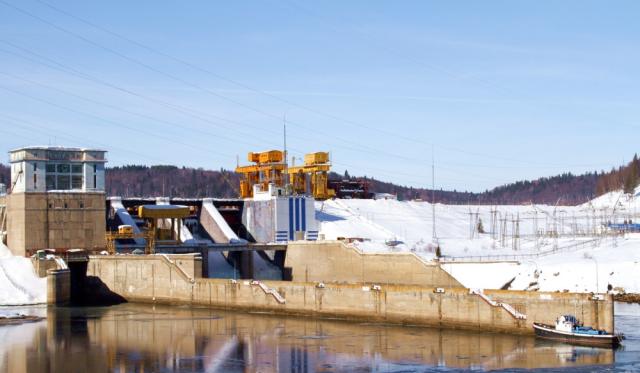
[[181, 271], [269, 291], [518, 257], [512, 311]]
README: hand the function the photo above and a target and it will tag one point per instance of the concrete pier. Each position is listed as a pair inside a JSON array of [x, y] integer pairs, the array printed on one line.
[[58, 286], [159, 278]]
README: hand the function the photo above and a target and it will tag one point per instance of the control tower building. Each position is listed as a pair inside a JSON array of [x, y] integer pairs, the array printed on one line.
[[56, 199]]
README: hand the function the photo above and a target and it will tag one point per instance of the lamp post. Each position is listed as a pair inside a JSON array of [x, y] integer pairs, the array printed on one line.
[[597, 282]]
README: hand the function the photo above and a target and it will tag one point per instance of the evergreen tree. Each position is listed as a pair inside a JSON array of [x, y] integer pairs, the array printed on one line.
[[631, 181]]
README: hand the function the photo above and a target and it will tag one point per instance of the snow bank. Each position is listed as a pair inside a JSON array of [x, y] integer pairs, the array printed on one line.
[[483, 276], [610, 265], [19, 284]]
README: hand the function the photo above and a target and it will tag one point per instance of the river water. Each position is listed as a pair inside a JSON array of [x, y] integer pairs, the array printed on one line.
[[148, 338]]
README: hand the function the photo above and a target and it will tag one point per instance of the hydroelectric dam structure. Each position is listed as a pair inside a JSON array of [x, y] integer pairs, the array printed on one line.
[[263, 252]]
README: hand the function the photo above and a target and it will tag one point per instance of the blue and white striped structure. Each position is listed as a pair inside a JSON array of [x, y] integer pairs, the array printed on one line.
[[295, 214], [281, 219]]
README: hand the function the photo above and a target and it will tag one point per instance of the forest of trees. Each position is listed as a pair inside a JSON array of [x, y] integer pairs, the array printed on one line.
[[171, 181], [566, 189], [625, 177]]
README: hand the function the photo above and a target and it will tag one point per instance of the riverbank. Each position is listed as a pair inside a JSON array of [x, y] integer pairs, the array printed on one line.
[[18, 319], [627, 298]]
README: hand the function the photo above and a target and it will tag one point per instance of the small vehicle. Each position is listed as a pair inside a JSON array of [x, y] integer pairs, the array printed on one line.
[[569, 329], [125, 229]]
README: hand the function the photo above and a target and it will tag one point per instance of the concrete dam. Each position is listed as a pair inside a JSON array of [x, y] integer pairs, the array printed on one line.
[[425, 295]]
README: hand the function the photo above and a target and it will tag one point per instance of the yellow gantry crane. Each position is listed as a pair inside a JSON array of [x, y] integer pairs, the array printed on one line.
[[267, 169], [270, 167], [312, 177]]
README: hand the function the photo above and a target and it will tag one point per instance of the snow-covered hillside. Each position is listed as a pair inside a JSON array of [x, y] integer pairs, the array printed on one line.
[[554, 248], [19, 284]]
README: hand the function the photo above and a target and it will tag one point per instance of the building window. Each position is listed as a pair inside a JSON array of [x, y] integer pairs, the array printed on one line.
[[63, 168], [51, 182], [35, 176], [63, 181], [93, 171], [76, 182], [64, 176]]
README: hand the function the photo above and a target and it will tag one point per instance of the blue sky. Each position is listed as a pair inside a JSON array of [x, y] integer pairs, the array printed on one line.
[[501, 90]]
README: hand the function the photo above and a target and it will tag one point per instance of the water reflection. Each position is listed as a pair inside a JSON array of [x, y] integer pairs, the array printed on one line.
[[144, 338]]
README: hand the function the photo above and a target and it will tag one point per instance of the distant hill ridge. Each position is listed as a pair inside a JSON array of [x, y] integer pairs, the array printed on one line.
[[565, 189]]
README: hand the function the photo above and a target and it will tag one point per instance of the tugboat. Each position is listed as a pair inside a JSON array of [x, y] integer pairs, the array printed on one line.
[[569, 329]]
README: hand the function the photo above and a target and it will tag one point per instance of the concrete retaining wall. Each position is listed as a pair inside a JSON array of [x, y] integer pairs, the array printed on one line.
[[545, 307], [58, 286], [158, 279], [333, 261]]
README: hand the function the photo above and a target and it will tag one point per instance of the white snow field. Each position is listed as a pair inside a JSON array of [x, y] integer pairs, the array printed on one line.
[[549, 248], [19, 284]]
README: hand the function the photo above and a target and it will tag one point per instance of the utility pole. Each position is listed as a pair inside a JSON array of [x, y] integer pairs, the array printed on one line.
[[433, 193], [517, 233], [535, 229], [494, 213], [474, 222], [503, 230], [470, 223]]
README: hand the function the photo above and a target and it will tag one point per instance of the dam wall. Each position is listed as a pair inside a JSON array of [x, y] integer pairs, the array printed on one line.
[[161, 279], [333, 261]]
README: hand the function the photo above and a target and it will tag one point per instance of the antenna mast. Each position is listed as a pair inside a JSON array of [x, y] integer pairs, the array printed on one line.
[[286, 160]]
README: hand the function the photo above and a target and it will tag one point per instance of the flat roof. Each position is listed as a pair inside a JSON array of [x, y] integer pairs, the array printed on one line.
[[57, 148], [163, 211]]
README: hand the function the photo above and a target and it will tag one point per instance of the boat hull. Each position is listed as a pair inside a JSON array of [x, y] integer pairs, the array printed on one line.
[[549, 332]]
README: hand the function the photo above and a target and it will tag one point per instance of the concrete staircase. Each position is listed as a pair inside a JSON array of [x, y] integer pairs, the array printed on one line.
[[269, 291], [512, 311]]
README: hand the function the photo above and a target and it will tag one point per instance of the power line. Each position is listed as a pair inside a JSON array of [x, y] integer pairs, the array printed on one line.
[[209, 72], [185, 110], [158, 71], [365, 36], [173, 140], [133, 113], [174, 77], [159, 120], [32, 126], [219, 76]]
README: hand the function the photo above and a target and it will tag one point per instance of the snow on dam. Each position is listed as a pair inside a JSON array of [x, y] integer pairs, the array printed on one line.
[[19, 284]]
